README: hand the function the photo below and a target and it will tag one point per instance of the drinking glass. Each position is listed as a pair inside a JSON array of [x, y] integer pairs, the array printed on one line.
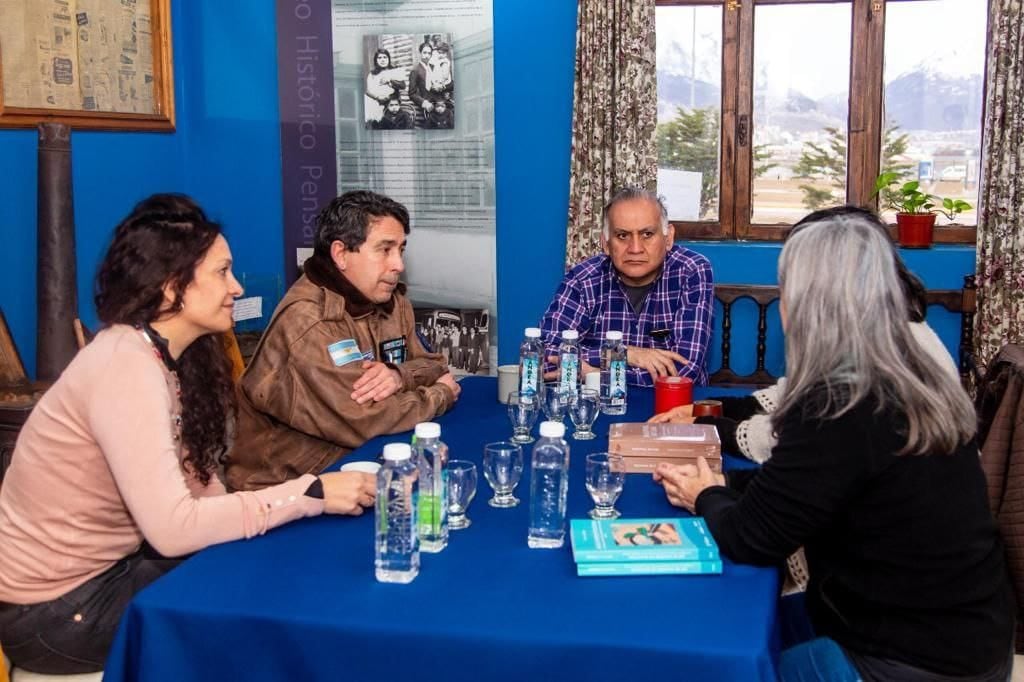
[[605, 476], [583, 409], [523, 409], [555, 400], [503, 466], [461, 490]]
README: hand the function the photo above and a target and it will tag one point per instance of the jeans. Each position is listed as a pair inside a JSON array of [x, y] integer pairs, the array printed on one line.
[[820, 659], [73, 633]]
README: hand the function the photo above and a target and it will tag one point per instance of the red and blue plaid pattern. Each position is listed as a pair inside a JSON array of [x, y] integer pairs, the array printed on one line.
[[591, 301]]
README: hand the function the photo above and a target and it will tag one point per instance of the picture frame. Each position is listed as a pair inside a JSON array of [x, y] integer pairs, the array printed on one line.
[[102, 65]]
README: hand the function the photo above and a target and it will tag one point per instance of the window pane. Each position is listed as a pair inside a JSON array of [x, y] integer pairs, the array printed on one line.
[[801, 96], [933, 97], [689, 110]]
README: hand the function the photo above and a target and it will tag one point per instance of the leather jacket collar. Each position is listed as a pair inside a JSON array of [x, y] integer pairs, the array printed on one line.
[[322, 272]]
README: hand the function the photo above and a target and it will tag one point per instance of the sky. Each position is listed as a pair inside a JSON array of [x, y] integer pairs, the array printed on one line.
[[811, 61]]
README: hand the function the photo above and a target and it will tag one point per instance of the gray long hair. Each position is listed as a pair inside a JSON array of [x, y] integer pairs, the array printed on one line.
[[847, 331]]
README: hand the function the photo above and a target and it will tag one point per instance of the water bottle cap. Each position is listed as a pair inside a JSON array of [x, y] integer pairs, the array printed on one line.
[[570, 334], [396, 452], [613, 336], [552, 429], [532, 332], [428, 430]]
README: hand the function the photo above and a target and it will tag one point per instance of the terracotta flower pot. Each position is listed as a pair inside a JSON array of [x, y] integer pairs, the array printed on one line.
[[914, 230]]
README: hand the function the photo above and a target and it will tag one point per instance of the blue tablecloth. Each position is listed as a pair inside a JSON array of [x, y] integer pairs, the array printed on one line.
[[301, 602]]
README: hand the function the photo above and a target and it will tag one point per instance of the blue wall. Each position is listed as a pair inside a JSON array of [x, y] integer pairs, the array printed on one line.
[[226, 153]]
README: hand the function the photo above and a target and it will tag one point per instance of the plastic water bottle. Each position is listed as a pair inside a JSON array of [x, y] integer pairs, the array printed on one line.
[[397, 546], [569, 359], [531, 361], [613, 374], [549, 483], [431, 457]]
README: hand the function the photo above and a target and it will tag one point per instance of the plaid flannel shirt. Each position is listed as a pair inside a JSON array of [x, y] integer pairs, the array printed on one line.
[[590, 300]]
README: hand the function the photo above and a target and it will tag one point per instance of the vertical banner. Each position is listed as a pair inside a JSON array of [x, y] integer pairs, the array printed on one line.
[[408, 91], [305, 81]]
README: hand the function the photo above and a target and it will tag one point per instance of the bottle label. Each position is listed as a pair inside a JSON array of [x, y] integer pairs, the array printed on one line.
[[617, 382], [569, 364], [528, 379]]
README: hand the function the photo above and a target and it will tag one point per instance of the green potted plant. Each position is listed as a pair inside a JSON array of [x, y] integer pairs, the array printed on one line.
[[915, 210]]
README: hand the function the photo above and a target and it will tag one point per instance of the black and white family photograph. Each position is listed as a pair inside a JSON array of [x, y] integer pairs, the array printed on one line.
[[461, 336], [409, 81]]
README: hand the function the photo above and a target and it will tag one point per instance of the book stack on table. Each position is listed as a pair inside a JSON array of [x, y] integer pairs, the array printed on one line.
[[643, 547], [643, 445]]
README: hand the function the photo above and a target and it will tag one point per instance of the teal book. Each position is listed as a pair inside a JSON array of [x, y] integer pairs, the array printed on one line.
[[649, 568], [622, 540]]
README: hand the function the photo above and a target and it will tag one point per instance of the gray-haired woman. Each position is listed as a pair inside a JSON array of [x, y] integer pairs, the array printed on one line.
[[876, 473]]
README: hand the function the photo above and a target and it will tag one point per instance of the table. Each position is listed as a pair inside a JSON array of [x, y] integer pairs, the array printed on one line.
[[301, 602]]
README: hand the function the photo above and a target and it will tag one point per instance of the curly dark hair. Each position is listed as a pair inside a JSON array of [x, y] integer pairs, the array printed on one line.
[[347, 219], [160, 242]]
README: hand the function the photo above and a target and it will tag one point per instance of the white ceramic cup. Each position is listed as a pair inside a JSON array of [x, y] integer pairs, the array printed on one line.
[[365, 467], [508, 381], [593, 380]]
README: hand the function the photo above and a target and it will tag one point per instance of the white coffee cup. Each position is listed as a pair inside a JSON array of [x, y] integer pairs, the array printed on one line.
[[365, 467], [508, 381]]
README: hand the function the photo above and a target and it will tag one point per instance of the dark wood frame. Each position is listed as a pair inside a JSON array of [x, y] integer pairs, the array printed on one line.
[[864, 130], [12, 370], [163, 92], [962, 301]]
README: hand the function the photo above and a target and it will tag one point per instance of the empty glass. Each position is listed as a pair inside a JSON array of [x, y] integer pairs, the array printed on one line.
[[503, 467], [556, 399], [583, 409], [523, 408], [606, 474], [461, 489]]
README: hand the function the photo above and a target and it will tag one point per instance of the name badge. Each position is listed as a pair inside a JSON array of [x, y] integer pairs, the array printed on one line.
[[344, 351], [393, 350]]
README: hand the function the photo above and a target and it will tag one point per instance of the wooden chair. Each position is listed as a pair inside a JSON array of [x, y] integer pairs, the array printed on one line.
[[234, 352], [961, 301]]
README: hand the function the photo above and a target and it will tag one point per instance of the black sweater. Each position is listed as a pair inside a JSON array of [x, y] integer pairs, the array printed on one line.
[[905, 561]]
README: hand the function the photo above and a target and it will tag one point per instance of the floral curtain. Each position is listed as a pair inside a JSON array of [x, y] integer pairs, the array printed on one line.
[[1000, 253], [614, 114]]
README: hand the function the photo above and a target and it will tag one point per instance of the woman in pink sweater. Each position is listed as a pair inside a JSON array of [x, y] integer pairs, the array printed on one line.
[[115, 471]]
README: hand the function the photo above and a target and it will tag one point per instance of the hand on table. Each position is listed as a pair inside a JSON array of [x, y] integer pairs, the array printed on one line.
[[657, 361], [347, 492], [377, 383], [555, 374], [448, 380], [683, 414], [683, 483]]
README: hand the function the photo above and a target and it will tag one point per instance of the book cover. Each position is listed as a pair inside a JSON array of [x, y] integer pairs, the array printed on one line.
[[667, 442], [649, 568], [622, 540]]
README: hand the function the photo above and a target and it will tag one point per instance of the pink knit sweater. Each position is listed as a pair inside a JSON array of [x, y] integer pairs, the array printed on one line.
[[97, 468]]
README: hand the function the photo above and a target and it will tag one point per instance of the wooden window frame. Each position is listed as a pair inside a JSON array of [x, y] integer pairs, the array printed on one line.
[[864, 122]]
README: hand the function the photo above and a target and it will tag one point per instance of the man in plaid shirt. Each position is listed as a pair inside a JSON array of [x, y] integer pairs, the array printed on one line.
[[660, 296]]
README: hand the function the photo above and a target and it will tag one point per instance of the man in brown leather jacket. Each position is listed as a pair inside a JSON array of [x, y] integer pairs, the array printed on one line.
[[340, 362]]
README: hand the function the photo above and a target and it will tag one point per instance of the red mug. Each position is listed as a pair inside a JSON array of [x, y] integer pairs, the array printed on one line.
[[707, 408], [672, 392]]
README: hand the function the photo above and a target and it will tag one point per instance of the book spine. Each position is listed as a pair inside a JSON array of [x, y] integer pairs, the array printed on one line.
[[653, 554], [650, 568]]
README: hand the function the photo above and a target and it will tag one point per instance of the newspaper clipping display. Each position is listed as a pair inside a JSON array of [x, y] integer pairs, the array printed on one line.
[[88, 55]]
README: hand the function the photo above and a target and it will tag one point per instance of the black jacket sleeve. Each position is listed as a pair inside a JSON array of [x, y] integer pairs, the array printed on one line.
[[816, 467]]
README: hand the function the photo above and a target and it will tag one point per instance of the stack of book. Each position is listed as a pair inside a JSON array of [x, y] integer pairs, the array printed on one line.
[[643, 547], [643, 445]]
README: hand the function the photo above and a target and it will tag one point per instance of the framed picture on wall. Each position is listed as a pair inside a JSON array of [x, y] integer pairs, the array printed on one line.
[[103, 64]]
